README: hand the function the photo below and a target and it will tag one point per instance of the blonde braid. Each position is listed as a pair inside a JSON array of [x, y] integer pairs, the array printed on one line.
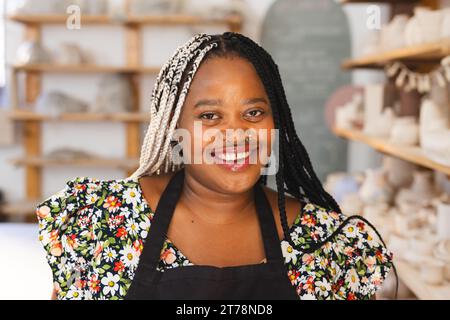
[[161, 128]]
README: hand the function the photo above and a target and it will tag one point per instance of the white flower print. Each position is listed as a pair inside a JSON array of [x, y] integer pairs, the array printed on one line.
[[289, 253], [92, 198], [352, 279], [323, 287], [132, 196], [129, 256], [144, 225], [109, 254], [115, 187], [110, 283], [74, 294], [350, 230], [132, 227]]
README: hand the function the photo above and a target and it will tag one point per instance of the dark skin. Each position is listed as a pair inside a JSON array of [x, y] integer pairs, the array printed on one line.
[[215, 221]]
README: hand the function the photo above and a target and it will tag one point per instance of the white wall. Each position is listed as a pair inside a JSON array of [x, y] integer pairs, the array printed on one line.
[[106, 43]]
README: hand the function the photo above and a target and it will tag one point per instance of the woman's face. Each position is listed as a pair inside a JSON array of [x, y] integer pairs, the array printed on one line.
[[227, 97]]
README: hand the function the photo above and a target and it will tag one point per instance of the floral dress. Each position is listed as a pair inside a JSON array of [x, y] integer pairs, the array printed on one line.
[[93, 232]]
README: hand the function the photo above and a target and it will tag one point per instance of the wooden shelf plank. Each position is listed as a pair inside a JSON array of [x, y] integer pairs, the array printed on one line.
[[26, 115], [412, 154], [125, 164], [380, 1], [178, 19], [21, 209], [415, 55], [411, 278], [84, 68]]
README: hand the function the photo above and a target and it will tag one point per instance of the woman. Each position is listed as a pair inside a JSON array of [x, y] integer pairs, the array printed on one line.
[[196, 230]]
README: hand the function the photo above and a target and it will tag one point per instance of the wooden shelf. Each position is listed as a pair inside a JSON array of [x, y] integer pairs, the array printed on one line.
[[84, 68], [142, 20], [25, 115], [379, 1], [22, 209], [412, 154], [411, 278], [125, 164], [415, 55]]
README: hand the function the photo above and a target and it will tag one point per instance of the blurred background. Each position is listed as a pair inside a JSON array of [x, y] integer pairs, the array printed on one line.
[[367, 82]]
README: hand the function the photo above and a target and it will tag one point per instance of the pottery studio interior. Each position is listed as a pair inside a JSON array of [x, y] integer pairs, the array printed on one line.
[[368, 80]]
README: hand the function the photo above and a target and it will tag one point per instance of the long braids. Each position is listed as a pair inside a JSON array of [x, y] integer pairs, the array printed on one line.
[[295, 174]]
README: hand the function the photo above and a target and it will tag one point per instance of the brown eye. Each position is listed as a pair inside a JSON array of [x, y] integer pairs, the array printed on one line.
[[254, 113], [209, 116]]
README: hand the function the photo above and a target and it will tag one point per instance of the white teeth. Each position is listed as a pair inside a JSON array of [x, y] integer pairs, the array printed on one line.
[[233, 156]]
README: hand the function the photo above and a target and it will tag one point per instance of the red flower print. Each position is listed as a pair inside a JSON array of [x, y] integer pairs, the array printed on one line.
[[309, 285], [112, 203], [138, 246], [293, 275], [119, 266], [351, 296], [115, 221], [121, 233], [308, 220], [361, 225], [72, 241], [79, 188], [93, 284]]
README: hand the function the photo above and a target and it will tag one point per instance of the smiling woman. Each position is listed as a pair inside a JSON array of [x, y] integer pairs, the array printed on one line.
[[212, 230]]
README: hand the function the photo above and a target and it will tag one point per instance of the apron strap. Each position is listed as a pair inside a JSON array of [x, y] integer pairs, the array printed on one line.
[[269, 231], [151, 253], [156, 236]]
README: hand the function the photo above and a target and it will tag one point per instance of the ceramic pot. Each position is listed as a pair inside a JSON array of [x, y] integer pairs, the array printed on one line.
[[31, 52], [443, 220], [375, 188], [399, 172], [445, 29], [413, 32], [430, 22], [405, 131], [392, 36]]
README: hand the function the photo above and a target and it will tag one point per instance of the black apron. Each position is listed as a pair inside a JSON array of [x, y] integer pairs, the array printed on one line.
[[258, 281]]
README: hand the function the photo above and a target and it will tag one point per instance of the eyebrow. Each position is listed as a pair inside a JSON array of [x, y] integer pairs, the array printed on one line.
[[218, 102]]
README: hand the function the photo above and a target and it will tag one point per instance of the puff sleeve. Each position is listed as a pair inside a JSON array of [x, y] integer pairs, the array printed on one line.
[[66, 222], [364, 262]]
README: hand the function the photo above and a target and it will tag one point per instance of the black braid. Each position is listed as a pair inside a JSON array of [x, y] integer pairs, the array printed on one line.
[[296, 175]]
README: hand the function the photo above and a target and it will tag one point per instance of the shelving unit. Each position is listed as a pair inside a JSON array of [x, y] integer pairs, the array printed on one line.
[[412, 154], [420, 57], [33, 161], [430, 53]]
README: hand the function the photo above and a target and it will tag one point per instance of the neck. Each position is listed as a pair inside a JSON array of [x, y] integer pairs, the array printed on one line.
[[216, 207]]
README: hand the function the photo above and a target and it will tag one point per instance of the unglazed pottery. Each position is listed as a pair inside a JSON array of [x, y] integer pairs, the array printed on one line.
[[443, 219], [375, 188], [392, 35], [435, 127], [405, 131], [114, 94], [399, 172], [413, 32], [430, 22], [55, 103], [31, 52]]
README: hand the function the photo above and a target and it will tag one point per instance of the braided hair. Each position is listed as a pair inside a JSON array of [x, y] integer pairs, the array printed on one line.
[[295, 174]]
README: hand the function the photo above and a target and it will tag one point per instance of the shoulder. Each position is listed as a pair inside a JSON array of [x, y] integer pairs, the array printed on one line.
[[73, 223], [342, 257], [293, 208]]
